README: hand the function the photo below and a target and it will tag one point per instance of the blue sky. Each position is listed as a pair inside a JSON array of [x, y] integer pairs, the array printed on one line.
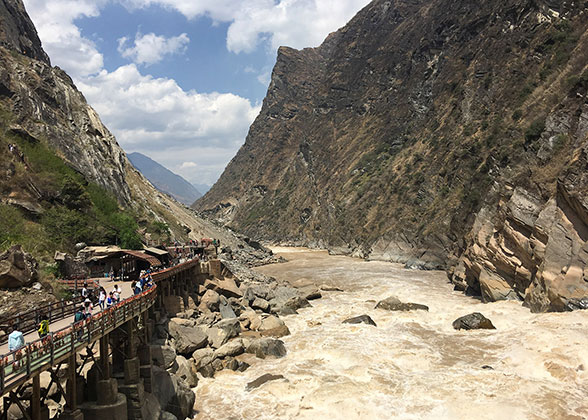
[[180, 80]]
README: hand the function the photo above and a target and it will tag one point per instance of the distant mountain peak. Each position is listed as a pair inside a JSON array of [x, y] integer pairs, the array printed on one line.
[[165, 180]]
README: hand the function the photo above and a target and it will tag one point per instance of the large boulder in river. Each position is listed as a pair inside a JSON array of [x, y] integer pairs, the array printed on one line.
[[17, 268], [273, 326], [186, 339], [394, 304], [173, 393], [187, 371], [473, 321], [262, 380], [163, 356], [361, 319], [263, 347]]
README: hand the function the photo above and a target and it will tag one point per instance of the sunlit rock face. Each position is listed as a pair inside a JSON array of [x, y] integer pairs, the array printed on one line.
[[433, 133], [47, 105]]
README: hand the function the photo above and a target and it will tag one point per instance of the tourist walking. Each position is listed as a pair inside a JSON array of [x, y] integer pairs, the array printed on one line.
[[43, 326], [88, 307], [102, 298], [15, 339], [109, 300], [85, 291], [79, 316], [116, 292]]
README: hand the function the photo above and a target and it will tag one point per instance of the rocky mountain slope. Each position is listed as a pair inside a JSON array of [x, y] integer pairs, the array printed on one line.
[[439, 133], [165, 180], [64, 178]]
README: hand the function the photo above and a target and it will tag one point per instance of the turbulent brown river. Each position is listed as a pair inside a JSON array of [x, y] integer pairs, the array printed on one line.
[[413, 365]]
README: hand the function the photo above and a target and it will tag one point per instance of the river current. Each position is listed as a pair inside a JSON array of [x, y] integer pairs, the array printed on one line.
[[413, 365]]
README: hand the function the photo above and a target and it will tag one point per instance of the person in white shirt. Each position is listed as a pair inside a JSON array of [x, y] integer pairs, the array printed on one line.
[[102, 298], [116, 293]]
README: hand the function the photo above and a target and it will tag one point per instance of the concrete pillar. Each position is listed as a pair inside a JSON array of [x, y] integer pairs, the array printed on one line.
[[36, 399], [104, 358], [72, 412]]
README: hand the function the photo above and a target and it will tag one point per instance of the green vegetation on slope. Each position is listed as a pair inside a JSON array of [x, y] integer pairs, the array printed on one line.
[[48, 206]]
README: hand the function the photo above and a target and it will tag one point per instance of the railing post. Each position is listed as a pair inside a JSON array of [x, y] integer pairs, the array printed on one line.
[[52, 349], [2, 378], [27, 349]]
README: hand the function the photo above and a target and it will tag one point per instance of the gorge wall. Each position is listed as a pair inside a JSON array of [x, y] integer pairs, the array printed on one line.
[[439, 133]]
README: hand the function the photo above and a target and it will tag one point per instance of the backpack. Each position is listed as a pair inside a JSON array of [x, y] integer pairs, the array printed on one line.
[[78, 316], [44, 327]]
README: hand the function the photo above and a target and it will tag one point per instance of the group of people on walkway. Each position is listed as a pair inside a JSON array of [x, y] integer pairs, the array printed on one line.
[[145, 282]]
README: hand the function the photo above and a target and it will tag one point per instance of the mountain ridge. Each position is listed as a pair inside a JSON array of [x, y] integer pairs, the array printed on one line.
[[413, 135], [165, 180]]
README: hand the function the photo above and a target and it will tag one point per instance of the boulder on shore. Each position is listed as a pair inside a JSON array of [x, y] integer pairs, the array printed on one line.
[[394, 304], [186, 339], [17, 268], [473, 321], [361, 319]]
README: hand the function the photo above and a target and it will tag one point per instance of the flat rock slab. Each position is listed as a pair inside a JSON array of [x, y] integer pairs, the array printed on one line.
[[473, 321], [394, 304], [262, 380], [361, 319]]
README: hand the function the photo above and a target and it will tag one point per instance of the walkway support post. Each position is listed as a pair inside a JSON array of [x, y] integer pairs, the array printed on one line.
[[36, 398]]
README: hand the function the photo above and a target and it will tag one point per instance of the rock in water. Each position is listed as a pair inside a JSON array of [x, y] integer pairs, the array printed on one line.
[[394, 304], [365, 319], [473, 321], [263, 347], [17, 268], [262, 380]]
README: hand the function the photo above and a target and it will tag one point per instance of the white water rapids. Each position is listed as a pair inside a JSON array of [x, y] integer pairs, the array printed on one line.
[[413, 365]]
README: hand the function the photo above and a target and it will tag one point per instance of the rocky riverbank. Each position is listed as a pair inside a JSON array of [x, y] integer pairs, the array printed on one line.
[[414, 363], [227, 325]]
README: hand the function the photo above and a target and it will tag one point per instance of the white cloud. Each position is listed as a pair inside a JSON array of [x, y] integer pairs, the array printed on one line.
[[154, 115], [294, 23], [150, 48], [61, 38], [188, 165]]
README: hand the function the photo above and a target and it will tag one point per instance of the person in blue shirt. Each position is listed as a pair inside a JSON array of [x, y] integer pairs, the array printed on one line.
[[15, 339]]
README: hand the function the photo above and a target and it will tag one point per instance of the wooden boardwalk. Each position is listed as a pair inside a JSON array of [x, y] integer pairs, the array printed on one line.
[[22, 365]]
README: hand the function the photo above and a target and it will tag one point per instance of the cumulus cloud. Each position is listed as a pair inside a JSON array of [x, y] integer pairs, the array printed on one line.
[[149, 114], [150, 48], [188, 165], [62, 39], [294, 23]]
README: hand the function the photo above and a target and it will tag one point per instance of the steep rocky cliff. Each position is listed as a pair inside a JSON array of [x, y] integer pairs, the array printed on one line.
[[62, 170], [439, 133]]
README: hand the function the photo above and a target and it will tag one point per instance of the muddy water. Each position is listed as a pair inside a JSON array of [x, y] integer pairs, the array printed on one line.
[[413, 365]]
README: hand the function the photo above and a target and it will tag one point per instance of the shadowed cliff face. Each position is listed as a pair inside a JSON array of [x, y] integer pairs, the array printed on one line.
[[412, 135]]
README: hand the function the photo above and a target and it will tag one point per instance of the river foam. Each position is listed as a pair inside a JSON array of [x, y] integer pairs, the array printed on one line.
[[413, 365]]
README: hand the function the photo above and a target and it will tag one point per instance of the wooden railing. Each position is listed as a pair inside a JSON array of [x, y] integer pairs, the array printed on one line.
[[18, 366], [37, 356], [29, 321]]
